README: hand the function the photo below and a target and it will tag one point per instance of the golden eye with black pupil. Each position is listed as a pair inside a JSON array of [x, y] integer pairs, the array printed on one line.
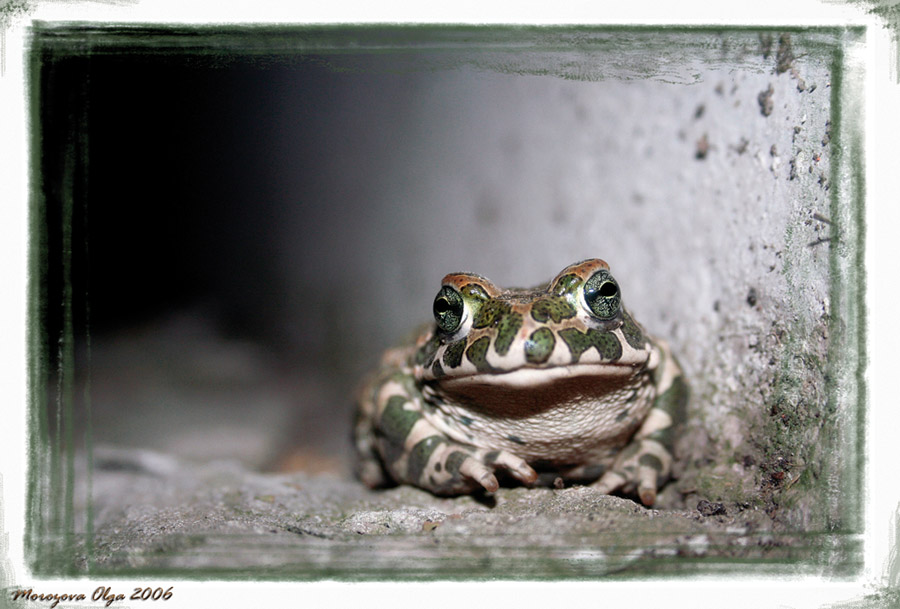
[[448, 309], [601, 293]]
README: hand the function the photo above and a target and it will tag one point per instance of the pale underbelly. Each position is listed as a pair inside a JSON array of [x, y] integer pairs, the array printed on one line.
[[576, 431]]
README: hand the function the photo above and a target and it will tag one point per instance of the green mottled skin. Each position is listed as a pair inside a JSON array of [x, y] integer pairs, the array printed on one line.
[[537, 384], [552, 308], [606, 343], [539, 345]]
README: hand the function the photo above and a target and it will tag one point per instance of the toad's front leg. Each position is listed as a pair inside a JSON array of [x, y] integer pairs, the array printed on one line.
[[394, 437], [645, 463]]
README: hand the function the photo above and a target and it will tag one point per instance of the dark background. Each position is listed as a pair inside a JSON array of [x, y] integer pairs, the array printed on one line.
[[167, 190], [176, 199]]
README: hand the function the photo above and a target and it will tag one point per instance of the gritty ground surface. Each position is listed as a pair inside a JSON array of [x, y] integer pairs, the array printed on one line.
[[154, 513]]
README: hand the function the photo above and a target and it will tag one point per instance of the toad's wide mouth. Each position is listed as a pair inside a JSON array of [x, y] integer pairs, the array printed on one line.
[[533, 377], [527, 392]]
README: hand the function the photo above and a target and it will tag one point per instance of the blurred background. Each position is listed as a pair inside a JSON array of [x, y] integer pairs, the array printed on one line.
[[238, 241]]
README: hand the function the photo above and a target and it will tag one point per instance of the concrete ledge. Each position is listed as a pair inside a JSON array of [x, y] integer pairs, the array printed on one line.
[[154, 513]]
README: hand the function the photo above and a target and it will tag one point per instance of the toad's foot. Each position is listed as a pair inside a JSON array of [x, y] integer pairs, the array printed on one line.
[[446, 467], [642, 467]]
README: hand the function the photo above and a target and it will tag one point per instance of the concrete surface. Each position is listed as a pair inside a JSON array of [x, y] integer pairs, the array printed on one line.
[[153, 513]]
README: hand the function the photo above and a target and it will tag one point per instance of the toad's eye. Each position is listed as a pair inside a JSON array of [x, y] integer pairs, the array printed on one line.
[[448, 309], [601, 293]]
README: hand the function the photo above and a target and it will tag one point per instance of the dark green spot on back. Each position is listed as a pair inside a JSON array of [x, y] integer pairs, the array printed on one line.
[[437, 370], [477, 354], [506, 332], [396, 422], [673, 401], [419, 456], [453, 353], [632, 332], [539, 346], [606, 344], [455, 461], [552, 307], [490, 314]]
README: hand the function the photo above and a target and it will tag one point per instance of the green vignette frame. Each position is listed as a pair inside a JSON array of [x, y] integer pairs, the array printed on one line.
[[52, 544]]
